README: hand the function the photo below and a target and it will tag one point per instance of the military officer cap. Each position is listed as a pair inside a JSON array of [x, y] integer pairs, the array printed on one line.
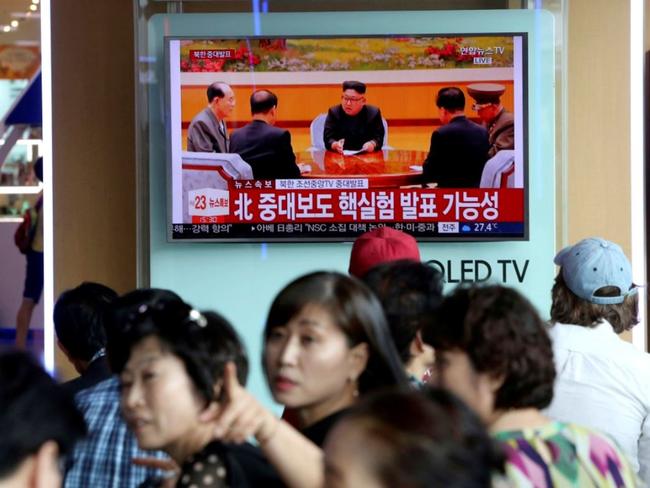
[[486, 92]]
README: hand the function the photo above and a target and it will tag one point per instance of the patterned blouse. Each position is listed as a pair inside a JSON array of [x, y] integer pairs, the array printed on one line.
[[564, 455]]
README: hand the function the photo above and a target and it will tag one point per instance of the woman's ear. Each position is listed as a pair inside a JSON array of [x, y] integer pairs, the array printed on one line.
[[358, 360]]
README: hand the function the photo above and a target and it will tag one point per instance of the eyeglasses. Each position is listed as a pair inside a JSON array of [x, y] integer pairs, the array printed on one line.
[[351, 99], [478, 106]]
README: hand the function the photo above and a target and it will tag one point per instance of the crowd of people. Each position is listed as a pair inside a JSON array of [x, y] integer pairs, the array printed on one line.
[[385, 380], [458, 149]]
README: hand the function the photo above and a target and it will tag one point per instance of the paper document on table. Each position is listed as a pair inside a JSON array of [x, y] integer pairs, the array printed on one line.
[[348, 152]]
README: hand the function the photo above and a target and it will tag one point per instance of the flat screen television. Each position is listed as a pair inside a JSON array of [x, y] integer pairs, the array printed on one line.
[[335, 196]]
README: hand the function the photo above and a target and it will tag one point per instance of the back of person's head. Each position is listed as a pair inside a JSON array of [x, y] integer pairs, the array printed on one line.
[[203, 341], [79, 319], [118, 314], [594, 283], [38, 168], [355, 310], [451, 98], [357, 86], [410, 293], [503, 336], [215, 90], [262, 101], [34, 411], [414, 439], [381, 245]]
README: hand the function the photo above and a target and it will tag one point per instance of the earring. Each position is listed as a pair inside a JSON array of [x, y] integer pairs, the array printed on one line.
[[355, 393]]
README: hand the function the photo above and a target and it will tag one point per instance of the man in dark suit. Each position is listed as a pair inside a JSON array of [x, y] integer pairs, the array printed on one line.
[[207, 131], [79, 324], [353, 125], [459, 148], [265, 147]]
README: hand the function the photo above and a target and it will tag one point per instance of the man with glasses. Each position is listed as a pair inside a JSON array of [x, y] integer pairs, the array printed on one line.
[[353, 125], [207, 131], [497, 120]]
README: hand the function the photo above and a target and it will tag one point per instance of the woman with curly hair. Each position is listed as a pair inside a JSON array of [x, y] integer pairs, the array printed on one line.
[[493, 351]]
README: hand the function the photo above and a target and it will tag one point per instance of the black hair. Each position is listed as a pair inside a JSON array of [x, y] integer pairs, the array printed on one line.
[[503, 336], [355, 310], [38, 168], [357, 86], [410, 293], [33, 411], [419, 439], [451, 98], [116, 320], [262, 101], [216, 90], [79, 319], [203, 341]]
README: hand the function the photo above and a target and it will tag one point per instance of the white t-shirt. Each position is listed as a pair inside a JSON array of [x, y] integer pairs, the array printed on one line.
[[603, 382]]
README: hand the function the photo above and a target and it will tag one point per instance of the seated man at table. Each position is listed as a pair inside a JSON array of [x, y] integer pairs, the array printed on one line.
[[207, 131], [353, 125], [459, 148], [266, 148]]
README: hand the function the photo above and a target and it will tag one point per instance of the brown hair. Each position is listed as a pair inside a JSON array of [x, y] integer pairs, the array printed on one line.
[[568, 308], [503, 336]]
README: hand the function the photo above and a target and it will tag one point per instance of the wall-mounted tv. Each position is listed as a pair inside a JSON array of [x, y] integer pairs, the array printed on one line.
[[433, 141]]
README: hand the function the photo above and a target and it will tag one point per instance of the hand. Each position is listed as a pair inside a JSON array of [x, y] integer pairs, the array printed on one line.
[[369, 146], [172, 470], [241, 415], [304, 168], [338, 146]]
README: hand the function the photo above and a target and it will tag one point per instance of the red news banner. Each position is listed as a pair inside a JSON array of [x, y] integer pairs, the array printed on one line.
[[267, 202]]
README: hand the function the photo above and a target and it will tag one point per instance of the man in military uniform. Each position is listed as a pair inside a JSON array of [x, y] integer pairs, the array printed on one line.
[[497, 120]]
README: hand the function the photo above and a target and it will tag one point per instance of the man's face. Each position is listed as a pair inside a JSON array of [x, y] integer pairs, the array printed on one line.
[[486, 111], [223, 107], [352, 102]]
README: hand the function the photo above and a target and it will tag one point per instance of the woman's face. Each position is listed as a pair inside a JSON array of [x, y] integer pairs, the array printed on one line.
[[454, 371], [159, 400], [309, 364]]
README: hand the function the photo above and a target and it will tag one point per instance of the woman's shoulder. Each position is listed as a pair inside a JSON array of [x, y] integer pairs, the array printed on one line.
[[566, 453]]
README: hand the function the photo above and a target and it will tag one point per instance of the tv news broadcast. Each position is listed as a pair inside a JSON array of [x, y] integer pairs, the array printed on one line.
[[324, 138]]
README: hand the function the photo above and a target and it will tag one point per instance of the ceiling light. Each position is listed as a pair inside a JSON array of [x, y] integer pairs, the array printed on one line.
[[6, 28], [33, 8], [14, 23], [36, 2]]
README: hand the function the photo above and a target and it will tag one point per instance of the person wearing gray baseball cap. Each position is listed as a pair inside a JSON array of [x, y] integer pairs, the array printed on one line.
[[603, 382]]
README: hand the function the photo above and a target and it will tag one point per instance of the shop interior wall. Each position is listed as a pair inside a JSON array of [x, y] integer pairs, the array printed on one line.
[[94, 144]]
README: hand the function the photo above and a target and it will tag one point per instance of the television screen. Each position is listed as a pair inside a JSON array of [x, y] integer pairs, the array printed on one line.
[[324, 138]]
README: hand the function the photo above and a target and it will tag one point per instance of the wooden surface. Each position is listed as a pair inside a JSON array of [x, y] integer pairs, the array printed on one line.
[[385, 168]]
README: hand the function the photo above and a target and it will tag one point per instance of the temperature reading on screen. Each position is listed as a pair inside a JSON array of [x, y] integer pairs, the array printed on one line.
[[483, 227]]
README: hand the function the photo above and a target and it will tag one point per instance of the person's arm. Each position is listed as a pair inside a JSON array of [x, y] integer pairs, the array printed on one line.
[[376, 126], [644, 451], [289, 158], [429, 167], [505, 140], [298, 461], [331, 132], [199, 138]]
